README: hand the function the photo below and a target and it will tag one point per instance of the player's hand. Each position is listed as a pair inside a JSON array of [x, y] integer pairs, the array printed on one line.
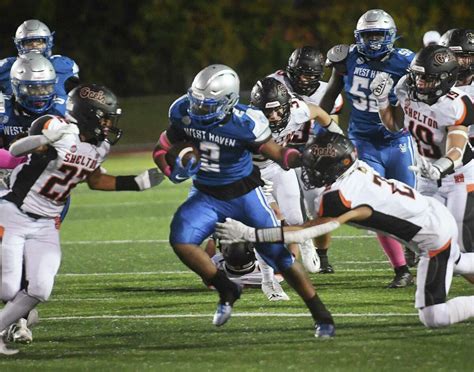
[[232, 231], [426, 169], [180, 173], [54, 135], [150, 178], [380, 87], [267, 188]]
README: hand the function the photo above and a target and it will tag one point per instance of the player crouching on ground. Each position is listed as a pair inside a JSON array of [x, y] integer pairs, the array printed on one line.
[[62, 154], [242, 264], [356, 194]]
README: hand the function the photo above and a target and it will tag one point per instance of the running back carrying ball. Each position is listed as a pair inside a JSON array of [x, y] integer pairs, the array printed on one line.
[[184, 150]]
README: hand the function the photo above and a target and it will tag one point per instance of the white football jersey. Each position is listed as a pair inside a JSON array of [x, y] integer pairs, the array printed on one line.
[[42, 184], [299, 117], [314, 98], [428, 123], [253, 278], [469, 89], [398, 210]]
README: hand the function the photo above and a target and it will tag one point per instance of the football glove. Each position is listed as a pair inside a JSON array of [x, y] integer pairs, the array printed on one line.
[[180, 173], [380, 87], [433, 171], [232, 231], [148, 179]]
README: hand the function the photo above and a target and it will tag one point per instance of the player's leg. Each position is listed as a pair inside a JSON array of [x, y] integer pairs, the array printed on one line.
[[288, 197], [382, 158], [193, 222], [257, 213]]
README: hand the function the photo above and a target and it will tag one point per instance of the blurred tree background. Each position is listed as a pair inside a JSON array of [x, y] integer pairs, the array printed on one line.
[[148, 51], [149, 47]]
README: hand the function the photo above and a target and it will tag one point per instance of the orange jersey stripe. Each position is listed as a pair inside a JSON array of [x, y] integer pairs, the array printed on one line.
[[439, 250]]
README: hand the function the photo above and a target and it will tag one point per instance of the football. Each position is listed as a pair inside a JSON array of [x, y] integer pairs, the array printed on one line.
[[184, 150]]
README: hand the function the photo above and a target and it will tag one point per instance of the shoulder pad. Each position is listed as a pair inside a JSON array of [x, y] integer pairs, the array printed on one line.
[[62, 63], [6, 64], [337, 54], [38, 125]]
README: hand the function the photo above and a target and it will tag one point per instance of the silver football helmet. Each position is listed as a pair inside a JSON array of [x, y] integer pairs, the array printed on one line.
[[33, 36], [213, 94], [375, 33], [33, 78]]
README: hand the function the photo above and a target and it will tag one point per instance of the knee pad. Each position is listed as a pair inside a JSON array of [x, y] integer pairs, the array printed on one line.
[[40, 291], [435, 316]]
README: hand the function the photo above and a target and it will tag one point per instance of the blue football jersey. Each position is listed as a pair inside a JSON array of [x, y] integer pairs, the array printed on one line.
[[15, 122], [225, 148], [65, 68], [364, 122]]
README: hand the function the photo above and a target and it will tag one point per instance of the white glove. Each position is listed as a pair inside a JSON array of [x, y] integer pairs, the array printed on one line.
[[267, 188], [426, 169], [5, 178], [380, 87], [232, 231], [54, 135], [150, 178]]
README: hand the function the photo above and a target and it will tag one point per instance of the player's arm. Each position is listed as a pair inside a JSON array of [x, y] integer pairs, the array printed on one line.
[[336, 58], [392, 116], [105, 182], [235, 231], [323, 119], [286, 157]]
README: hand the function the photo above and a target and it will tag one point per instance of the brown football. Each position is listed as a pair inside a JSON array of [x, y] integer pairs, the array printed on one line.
[[185, 150]]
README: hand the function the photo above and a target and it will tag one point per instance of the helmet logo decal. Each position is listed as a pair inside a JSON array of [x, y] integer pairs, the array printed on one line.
[[98, 96], [328, 151], [443, 57], [470, 37]]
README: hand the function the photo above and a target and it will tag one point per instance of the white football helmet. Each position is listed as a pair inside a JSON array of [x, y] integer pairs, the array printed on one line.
[[375, 33], [213, 94], [30, 31], [33, 78]]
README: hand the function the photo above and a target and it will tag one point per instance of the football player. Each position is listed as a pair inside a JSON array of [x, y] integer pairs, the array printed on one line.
[[242, 264], [287, 115], [34, 36], [302, 76], [227, 184], [389, 153], [358, 195], [62, 153], [461, 43], [438, 115]]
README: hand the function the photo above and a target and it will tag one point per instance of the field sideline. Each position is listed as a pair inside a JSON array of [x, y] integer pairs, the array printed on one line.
[[124, 302]]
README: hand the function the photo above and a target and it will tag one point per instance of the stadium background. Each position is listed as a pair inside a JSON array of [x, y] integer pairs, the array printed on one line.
[[148, 51]]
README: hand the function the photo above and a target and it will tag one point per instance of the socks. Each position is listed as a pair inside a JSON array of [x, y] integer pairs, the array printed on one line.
[[228, 291], [17, 308], [318, 310], [267, 271], [393, 249]]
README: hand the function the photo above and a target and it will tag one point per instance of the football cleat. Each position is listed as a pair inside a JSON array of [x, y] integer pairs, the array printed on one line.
[[3, 345], [411, 257], [326, 267], [401, 280], [222, 314], [325, 330], [274, 291], [309, 257], [19, 332]]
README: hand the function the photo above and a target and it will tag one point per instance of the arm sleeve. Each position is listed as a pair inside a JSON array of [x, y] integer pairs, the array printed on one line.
[[28, 144]]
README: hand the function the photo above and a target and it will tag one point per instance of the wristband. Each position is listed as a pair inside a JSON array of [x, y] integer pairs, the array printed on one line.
[[444, 165], [270, 235], [126, 183]]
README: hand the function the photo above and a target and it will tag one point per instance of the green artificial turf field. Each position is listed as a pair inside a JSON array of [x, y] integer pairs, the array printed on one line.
[[124, 302]]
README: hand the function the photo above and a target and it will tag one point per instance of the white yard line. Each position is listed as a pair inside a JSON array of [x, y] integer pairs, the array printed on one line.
[[234, 315], [184, 272], [162, 241]]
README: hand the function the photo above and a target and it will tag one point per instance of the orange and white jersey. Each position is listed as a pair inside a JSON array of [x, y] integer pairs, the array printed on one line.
[[314, 98], [398, 210], [41, 186], [469, 89], [299, 117], [428, 123]]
